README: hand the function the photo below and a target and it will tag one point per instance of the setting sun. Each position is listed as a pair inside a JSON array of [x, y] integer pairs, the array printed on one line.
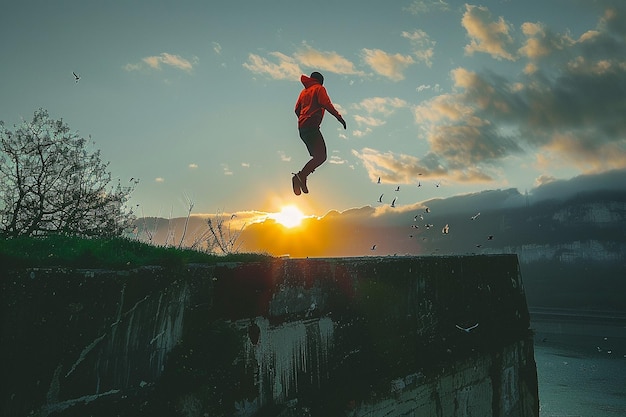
[[289, 216]]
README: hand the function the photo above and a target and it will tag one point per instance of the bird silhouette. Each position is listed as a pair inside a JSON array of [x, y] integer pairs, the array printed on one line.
[[419, 184], [398, 188], [467, 329], [378, 180], [373, 247], [380, 199], [438, 184], [475, 216], [76, 76], [446, 229], [393, 203], [426, 210], [490, 237]]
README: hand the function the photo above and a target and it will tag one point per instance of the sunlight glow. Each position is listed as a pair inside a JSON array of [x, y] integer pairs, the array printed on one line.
[[289, 216]]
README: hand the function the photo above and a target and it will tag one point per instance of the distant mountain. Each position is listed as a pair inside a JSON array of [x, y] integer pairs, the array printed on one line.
[[570, 236]]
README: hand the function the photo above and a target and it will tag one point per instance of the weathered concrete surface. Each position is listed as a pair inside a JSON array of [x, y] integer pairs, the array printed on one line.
[[318, 337]]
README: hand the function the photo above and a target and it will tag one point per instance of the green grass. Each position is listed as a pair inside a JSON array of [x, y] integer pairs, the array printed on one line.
[[114, 253]]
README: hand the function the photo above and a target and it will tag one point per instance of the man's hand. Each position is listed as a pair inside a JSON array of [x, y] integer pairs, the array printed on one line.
[[343, 122]]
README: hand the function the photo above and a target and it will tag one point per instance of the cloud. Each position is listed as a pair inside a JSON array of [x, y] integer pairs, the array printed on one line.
[[171, 60], [486, 35], [387, 65], [357, 133], [383, 105], [226, 170], [464, 146], [423, 87], [281, 66], [396, 168], [585, 153], [376, 109], [423, 46], [286, 67], [132, 67], [544, 179], [283, 156], [406, 169], [325, 61], [567, 108], [336, 159], [418, 7], [613, 17], [541, 41], [368, 121], [290, 67]]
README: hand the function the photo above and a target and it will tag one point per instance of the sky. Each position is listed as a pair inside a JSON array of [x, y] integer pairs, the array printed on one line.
[[441, 98]]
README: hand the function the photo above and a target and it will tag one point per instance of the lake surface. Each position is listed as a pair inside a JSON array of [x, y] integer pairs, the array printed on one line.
[[581, 363]]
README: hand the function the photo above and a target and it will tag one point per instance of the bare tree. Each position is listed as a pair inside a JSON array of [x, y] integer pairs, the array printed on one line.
[[51, 183], [222, 236]]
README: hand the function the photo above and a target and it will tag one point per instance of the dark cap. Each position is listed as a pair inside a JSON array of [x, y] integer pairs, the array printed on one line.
[[319, 77]]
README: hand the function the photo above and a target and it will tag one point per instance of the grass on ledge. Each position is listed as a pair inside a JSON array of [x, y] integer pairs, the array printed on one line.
[[115, 253]]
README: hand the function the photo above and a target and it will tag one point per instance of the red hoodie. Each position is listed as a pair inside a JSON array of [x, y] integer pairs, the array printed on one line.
[[312, 102]]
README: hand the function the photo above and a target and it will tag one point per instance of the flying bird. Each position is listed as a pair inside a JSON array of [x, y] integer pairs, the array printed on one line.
[[446, 229], [426, 210], [438, 184], [490, 237], [373, 247], [76, 76], [380, 199], [467, 329], [419, 184], [398, 188], [393, 203], [475, 216], [378, 180]]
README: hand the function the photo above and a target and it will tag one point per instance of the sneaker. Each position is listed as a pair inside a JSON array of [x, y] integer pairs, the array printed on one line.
[[302, 180], [295, 182]]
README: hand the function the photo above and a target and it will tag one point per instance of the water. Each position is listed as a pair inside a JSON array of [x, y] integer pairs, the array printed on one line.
[[581, 366]]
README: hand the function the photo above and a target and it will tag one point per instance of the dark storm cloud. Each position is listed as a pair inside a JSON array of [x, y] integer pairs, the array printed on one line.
[[613, 180], [573, 93], [567, 105]]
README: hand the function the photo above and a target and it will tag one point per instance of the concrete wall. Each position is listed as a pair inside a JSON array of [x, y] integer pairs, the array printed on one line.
[[284, 337]]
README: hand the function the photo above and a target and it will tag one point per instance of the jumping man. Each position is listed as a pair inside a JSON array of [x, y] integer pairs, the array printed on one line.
[[310, 107]]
